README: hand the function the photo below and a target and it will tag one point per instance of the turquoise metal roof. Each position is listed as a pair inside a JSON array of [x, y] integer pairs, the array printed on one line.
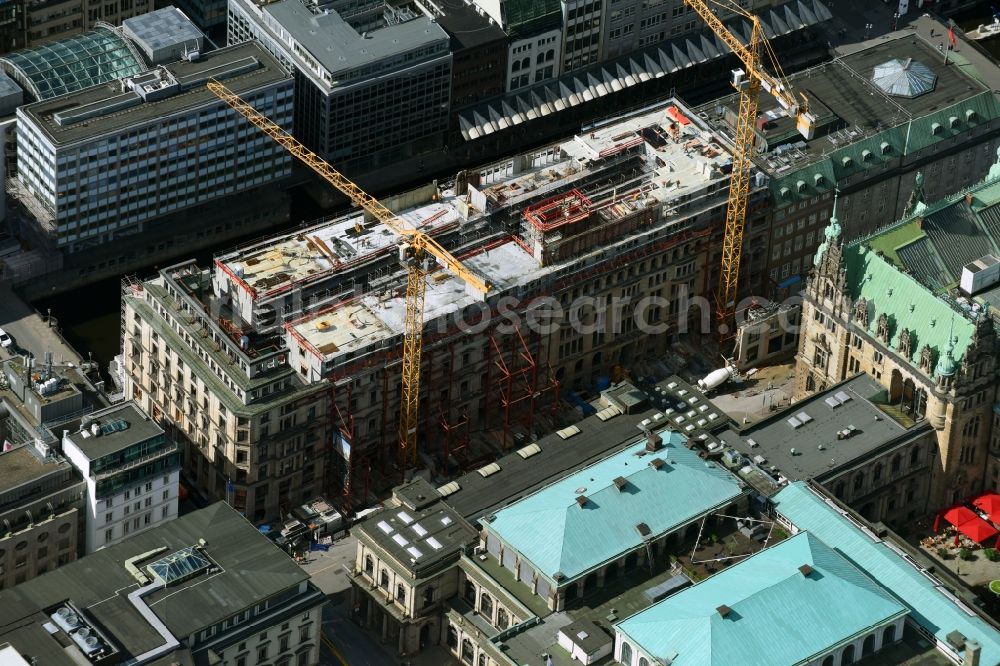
[[928, 605], [557, 535], [777, 615]]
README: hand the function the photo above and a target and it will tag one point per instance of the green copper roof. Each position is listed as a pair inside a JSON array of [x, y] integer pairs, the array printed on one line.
[[906, 302], [556, 534], [928, 605], [777, 615], [884, 147], [895, 238]]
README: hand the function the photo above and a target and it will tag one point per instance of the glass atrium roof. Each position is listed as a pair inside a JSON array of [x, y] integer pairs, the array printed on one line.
[[904, 78], [74, 63], [178, 566]]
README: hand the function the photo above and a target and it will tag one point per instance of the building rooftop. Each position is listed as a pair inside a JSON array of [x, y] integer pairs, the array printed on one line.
[[930, 318], [120, 427], [817, 437], [930, 603], [162, 29], [248, 569], [590, 516], [73, 63], [467, 27], [419, 536], [859, 126], [340, 48], [474, 495], [24, 464], [677, 164], [178, 87], [271, 267], [850, 106], [767, 609]]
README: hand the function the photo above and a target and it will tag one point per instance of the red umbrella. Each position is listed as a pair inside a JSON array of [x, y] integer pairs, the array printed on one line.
[[959, 514], [990, 503], [937, 522], [978, 530], [957, 541]]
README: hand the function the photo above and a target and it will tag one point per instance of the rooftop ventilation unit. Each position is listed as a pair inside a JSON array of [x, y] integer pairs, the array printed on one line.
[[806, 570], [654, 442], [581, 500], [724, 610], [620, 483]]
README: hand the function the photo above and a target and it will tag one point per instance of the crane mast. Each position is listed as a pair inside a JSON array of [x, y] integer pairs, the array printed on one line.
[[418, 253], [748, 82]]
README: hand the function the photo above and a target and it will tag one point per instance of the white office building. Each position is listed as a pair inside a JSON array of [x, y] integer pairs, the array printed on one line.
[[132, 471], [109, 161]]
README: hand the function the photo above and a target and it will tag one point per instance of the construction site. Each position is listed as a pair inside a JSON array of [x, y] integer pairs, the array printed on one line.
[[627, 209]]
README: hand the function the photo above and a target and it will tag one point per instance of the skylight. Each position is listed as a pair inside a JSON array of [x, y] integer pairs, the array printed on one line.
[[433, 543], [179, 566], [385, 527], [399, 539], [405, 517], [419, 529]]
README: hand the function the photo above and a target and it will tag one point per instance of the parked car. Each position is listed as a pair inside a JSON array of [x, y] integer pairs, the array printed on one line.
[[5, 340]]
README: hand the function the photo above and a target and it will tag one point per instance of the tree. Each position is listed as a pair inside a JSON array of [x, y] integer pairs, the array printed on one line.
[[965, 554]]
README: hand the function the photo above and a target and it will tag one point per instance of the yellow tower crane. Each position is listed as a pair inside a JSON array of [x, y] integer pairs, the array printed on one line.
[[416, 252], [748, 81]]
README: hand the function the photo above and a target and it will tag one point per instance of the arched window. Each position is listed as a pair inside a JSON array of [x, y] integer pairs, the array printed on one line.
[[452, 637], [897, 463], [503, 620], [428, 596], [369, 565], [828, 661], [839, 492], [468, 652], [384, 579], [859, 480], [877, 473], [482, 659], [401, 593], [470, 593], [626, 654], [889, 635], [914, 455], [549, 55], [643, 661], [486, 605], [525, 63], [516, 67], [540, 59]]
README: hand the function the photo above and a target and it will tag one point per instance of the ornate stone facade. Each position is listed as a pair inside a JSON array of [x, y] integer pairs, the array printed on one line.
[[955, 395]]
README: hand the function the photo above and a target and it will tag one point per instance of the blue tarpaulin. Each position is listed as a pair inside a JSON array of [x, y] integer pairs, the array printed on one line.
[[319, 546], [789, 281]]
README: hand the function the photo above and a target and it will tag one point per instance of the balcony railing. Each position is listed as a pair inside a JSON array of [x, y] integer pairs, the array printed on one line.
[[138, 462]]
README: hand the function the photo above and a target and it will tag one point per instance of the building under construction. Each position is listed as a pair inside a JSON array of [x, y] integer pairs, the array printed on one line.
[[586, 229]]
